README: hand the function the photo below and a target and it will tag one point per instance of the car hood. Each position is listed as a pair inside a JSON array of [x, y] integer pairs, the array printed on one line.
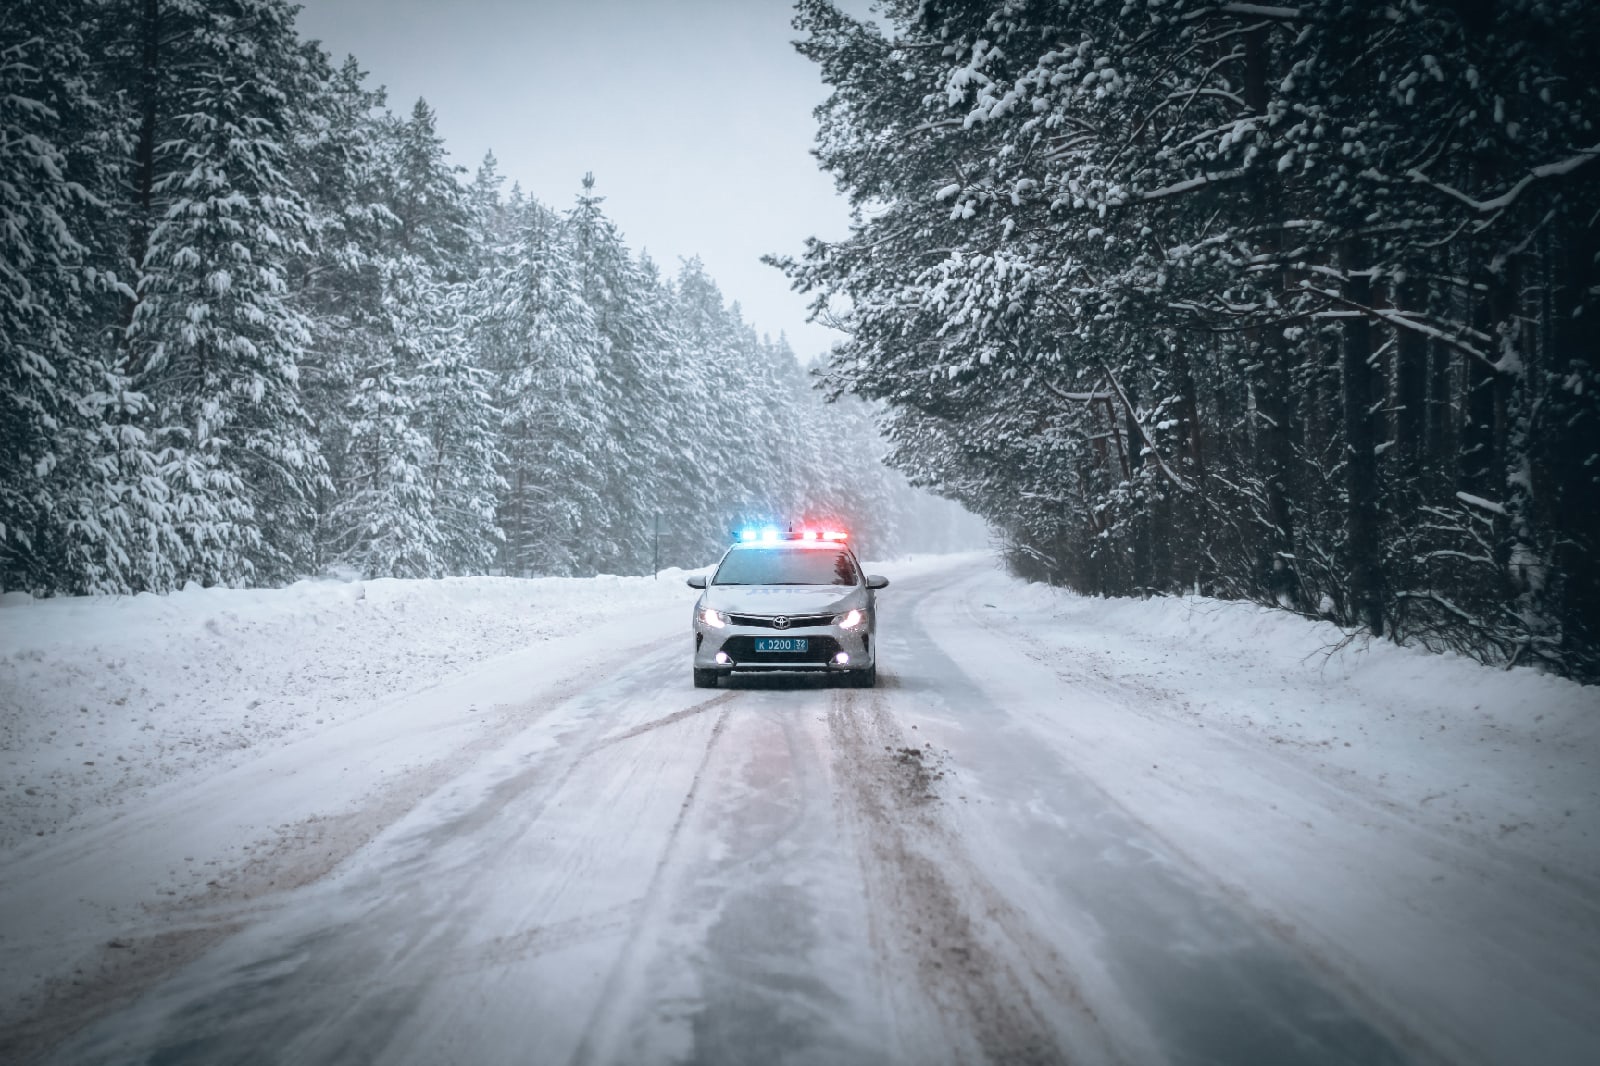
[[784, 599]]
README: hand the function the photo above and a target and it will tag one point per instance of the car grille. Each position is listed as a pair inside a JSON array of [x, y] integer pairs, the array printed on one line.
[[818, 650], [796, 621]]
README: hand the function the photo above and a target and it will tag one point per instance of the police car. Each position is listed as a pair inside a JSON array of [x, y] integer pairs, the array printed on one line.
[[786, 600]]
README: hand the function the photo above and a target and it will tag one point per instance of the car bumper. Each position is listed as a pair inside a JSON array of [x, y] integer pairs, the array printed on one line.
[[824, 644]]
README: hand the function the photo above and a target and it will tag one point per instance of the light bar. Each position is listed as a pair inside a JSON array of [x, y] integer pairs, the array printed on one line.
[[772, 534]]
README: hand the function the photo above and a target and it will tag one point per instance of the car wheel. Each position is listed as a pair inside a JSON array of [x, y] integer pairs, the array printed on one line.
[[705, 678], [867, 678]]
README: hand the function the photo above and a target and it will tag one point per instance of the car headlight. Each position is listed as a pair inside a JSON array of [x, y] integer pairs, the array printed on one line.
[[851, 619], [713, 618]]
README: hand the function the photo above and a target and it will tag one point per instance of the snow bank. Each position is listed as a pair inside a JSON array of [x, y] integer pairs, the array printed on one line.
[[105, 698], [1508, 756]]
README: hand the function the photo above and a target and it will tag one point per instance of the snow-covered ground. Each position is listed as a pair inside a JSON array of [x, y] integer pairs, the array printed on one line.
[[1086, 799], [104, 699], [1508, 759]]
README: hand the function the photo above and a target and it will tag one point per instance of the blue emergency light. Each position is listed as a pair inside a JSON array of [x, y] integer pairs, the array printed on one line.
[[771, 535]]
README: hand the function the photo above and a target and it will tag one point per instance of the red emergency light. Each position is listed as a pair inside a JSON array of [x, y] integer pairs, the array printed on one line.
[[813, 536]]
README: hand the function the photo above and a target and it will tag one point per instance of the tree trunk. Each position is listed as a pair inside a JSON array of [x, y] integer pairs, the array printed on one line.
[[1576, 480], [1479, 464], [1411, 392], [1441, 417], [1361, 465]]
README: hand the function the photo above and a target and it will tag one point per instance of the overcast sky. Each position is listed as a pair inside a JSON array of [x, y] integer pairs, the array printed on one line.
[[694, 115]]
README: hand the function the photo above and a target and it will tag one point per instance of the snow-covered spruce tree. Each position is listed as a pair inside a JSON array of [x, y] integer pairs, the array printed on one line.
[[75, 486], [673, 501], [439, 228], [432, 216], [340, 285], [552, 419], [212, 339], [382, 523], [457, 412], [416, 461], [732, 454], [629, 383], [488, 218], [958, 313]]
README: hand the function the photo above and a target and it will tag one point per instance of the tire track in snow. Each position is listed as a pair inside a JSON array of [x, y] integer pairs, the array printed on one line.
[[1141, 698], [931, 909], [665, 720], [597, 1045], [170, 936], [504, 792]]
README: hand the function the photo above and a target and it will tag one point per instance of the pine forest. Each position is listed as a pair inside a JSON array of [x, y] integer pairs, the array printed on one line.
[[255, 326], [1296, 303]]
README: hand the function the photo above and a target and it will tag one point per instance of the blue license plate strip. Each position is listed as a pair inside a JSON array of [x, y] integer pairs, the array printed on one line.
[[771, 644]]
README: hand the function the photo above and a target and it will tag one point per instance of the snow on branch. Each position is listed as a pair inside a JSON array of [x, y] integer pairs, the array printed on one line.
[[1076, 397], [1261, 10], [1178, 480], [1507, 198], [1479, 501], [1433, 597], [1401, 320], [1190, 184], [1265, 11]]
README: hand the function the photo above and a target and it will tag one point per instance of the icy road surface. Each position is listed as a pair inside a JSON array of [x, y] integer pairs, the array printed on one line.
[[1042, 839]]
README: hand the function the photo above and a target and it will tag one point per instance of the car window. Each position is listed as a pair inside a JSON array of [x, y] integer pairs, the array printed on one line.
[[786, 566]]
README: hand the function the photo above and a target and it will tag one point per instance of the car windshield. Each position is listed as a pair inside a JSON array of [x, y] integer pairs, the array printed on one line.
[[786, 566]]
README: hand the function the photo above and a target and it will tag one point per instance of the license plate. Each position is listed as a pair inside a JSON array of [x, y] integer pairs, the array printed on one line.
[[781, 644]]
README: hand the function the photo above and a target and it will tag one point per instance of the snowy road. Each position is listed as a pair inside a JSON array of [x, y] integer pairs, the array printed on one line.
[[1016, 850]]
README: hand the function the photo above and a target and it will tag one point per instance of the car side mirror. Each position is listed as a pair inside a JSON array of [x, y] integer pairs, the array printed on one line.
[[696, 581], [876, 582]]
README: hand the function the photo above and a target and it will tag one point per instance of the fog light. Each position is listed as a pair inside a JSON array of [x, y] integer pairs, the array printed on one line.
[[842, 658], [722, 658]]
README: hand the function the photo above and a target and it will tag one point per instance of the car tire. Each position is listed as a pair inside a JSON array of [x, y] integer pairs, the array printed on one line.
[[705, 678], [867, 678]]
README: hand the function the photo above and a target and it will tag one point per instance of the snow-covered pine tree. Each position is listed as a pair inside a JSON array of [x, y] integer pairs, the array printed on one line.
[[416, 486], [73, 487], [339, 286], [550, 405], [433, 219], [673, 498], [735, 483], [632, 384], [457, 412], [1116, 264], [488, 218], [382, 523], [213, 340]]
